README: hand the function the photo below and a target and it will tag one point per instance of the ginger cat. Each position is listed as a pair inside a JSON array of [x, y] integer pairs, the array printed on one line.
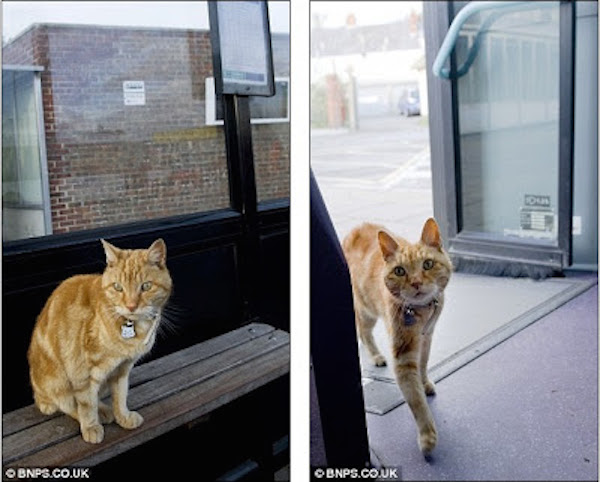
[[91, 331], [402, 283]]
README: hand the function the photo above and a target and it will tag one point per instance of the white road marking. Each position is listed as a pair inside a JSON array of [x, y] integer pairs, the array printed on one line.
[[407, 171]]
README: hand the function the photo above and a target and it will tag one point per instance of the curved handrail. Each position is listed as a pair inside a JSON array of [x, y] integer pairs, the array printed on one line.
[[452, 36]]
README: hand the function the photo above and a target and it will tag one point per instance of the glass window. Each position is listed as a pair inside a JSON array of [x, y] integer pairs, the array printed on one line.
[[24, 196], [270, 140], [508, 120], [369, 109], [124, 109], [263, 110]]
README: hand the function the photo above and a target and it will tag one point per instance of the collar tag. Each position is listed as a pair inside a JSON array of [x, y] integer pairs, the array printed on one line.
[[127, 329], [409, 316]]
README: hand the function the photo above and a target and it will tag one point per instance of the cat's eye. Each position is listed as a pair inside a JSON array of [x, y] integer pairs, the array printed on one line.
[[428, 264], [117, 287], [146, 285], [399, 271]]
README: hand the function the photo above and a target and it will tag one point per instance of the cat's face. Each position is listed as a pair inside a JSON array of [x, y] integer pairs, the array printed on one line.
[[416, 273], [137, 282]]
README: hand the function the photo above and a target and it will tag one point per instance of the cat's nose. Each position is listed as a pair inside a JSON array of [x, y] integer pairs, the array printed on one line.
[[416, 284], [131, 306]]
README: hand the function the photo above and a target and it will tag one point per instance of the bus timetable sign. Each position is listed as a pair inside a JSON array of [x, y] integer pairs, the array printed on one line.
[[241, 44]]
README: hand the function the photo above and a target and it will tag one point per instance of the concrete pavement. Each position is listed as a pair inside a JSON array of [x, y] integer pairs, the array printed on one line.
[[380, 173]]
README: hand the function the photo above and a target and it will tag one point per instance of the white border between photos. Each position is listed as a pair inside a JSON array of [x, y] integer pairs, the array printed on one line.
[[300, 242]]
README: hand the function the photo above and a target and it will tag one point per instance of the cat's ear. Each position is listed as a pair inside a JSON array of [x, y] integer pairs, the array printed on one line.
[[157, 253], [387, 244], [112, 253], [431, 234]]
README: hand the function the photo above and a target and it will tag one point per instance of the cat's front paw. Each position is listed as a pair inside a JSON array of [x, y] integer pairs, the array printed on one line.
[[379, 361], [93, 434], [47, 408], [429, 387], [427, 440], [130, 420]]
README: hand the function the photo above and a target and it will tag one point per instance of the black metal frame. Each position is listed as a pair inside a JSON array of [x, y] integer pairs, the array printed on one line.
[[442, 119], [334, 346], [566, 128], [445, 153], [242, 189]]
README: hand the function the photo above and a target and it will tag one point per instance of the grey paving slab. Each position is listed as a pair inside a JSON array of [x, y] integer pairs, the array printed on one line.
[[380, 396], [480, 312], [526, 410], [475, 306]]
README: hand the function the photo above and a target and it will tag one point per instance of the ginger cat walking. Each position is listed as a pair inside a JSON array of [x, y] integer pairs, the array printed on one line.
[[403, 284], [90, 333]]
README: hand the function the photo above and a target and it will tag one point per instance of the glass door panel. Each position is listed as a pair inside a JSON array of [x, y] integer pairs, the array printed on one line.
[[501, 121], [508, 123]]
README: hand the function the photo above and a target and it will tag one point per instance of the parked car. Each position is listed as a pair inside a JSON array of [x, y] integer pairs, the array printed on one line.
[[409, 104]]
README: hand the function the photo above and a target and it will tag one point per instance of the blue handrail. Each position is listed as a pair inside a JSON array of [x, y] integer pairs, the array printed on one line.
[[453, 32]]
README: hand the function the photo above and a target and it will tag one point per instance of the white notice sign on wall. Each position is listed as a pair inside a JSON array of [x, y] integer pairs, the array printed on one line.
[[134, 92]]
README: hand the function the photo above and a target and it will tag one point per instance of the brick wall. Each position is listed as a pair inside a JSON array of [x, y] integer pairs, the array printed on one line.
[[109, 163]]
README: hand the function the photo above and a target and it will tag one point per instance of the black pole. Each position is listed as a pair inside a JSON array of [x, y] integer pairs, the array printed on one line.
[[333, 345], [242, 192]]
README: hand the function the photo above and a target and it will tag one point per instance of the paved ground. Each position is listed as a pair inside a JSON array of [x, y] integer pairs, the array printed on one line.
[[526, 410], [380, 173]]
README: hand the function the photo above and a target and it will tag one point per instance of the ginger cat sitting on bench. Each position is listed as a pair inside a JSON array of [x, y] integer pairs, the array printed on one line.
[[91, 331], [402, 283]]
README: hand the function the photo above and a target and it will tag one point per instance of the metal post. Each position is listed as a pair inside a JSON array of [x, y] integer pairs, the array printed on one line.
[[334, 345], [242, 192], [352, 101]]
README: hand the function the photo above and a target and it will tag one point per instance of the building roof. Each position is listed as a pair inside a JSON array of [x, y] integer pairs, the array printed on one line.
[[364, 39]]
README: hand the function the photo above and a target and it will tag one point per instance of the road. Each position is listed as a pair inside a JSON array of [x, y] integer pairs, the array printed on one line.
[[381, 173]]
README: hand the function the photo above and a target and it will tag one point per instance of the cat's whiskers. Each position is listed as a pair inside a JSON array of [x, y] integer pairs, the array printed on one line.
[[167, 325]]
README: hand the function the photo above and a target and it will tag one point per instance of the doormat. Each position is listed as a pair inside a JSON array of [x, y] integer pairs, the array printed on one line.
[[479, 313]]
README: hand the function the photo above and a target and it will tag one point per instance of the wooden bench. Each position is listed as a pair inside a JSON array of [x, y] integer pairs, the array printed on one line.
[[168, 392]]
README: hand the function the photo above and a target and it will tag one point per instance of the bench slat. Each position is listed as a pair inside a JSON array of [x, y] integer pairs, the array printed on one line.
[[167, 414], [189, 369], [29, 416], [187, 356]]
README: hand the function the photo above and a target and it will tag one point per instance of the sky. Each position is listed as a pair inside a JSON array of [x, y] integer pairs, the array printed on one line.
[[334, 13], [18, 16]]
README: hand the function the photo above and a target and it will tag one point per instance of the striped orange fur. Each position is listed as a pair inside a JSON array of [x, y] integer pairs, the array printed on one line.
[[79, 347], [394, 280]]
